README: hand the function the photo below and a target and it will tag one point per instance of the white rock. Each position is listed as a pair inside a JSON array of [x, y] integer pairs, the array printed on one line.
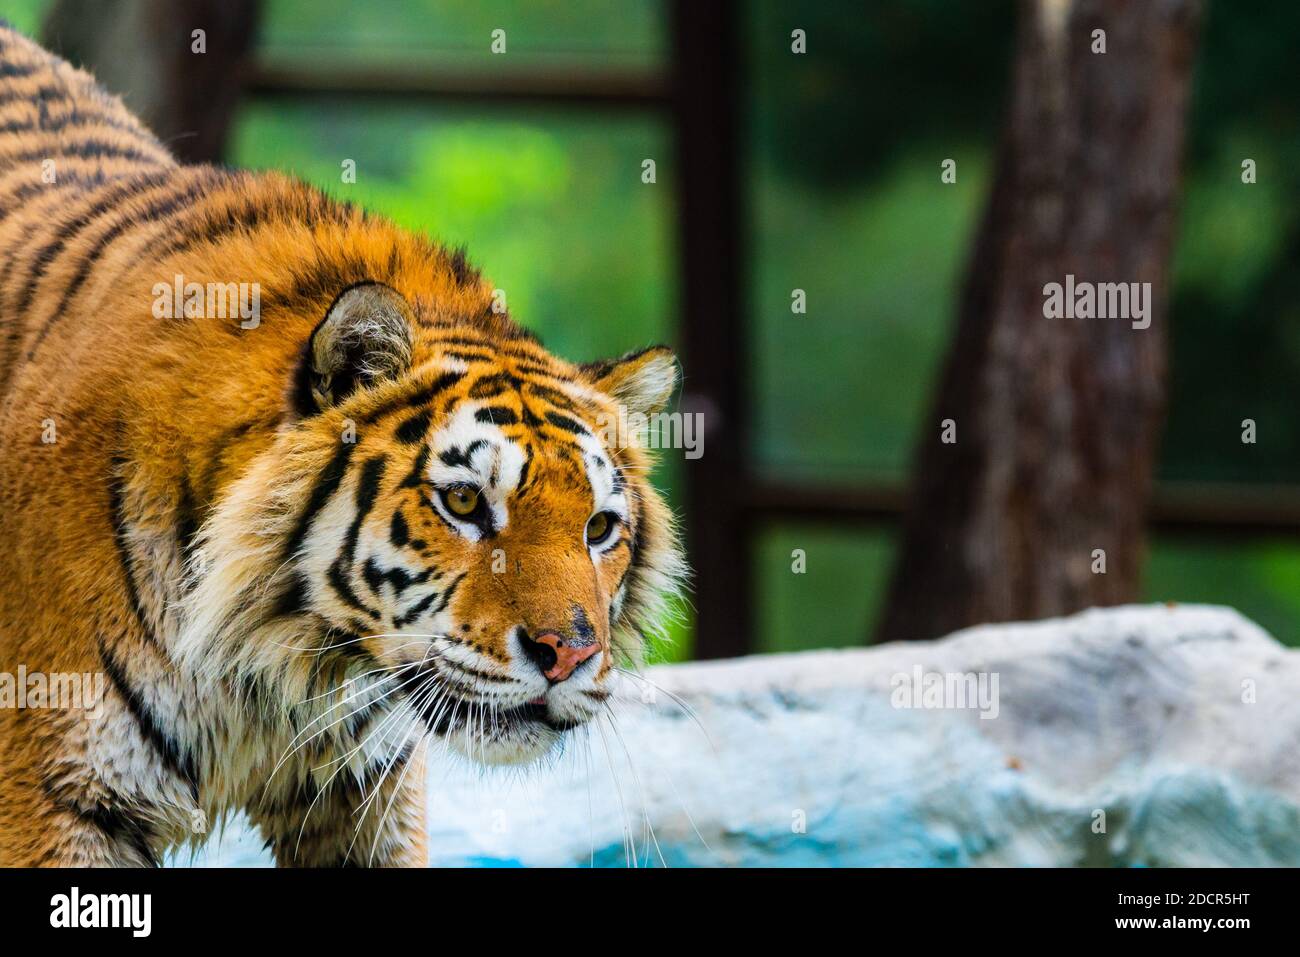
[[1177, 730]]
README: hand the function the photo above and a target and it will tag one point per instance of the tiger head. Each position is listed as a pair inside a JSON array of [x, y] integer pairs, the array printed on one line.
[[449, 527]]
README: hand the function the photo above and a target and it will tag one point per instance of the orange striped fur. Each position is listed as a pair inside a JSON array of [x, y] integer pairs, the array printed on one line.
[[247, 528]]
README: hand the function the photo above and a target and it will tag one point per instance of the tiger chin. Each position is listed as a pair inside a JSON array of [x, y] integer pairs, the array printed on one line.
[[311, 549]]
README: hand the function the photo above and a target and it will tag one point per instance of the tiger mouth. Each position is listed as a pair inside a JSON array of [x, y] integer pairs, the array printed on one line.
[[483, 720]]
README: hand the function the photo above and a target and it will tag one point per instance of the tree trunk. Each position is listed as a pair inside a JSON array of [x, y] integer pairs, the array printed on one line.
[[144, 51], [1056, 420]]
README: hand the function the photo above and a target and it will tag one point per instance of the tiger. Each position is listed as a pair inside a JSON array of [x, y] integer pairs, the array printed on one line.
[[310, 547]]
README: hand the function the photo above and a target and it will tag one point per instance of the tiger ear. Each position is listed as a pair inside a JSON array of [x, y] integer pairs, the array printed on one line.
[[365, 337], [639, 381]]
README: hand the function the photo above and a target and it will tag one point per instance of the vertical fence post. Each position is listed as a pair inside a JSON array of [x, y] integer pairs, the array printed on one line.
[[706, 75]]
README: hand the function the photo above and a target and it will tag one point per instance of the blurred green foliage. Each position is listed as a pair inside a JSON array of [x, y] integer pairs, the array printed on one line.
[[830, 600], [878, 78], [24, 15], [1260, 578]]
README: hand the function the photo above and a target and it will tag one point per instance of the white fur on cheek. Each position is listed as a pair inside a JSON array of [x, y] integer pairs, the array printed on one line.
[[600, 475]]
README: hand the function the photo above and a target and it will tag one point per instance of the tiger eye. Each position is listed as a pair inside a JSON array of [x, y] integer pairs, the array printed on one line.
[[461, 500], [598, 528]]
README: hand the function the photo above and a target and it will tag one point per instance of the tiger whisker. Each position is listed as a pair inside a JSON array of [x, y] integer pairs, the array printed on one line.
[[676, 699], [397, 789], [364, 809], [343, 685], [609, 707], [375, 731], [425, 693], [419, 667], [591, 811], [629, 845], [352, 641], [342, 762], [332, 724], [636, 779], [373, 686], [355, 678]]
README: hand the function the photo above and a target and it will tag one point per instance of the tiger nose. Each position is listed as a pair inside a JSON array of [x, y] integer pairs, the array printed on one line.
[[557, 656]]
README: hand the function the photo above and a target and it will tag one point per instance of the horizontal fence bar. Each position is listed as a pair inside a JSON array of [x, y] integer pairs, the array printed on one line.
[[1246, 509], [809, 502], [1211, 508], [617, 88]]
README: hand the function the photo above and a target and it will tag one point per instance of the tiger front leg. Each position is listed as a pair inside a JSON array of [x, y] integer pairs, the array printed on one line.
[[44, 823], [378, 821]]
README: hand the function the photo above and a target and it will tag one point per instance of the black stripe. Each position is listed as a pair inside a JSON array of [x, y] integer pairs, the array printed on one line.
[[397, 576], [521, 343], [87, 149], [488, 386], [116, 825], [553, 396], [566, 423], [455, 456], [293, 599], [530, 418], [346, 644], [446, 595], [187, 521], [16, 328], [372, 474], [338, 580], [457, 340], [634, 548], [250, 213], [423, 604], [470, 357], [532, 368], [17, 199], [523, 471], [321, 282], [328, 483], [177, 759], [421, 396], [416, 478], [461, 270], [155, 211], [43, 94], [476, 673], [496, 415], [17, 69], [117, 515], [399, 533], [75, 119], [414, 429], [436, 388], [69, 231]]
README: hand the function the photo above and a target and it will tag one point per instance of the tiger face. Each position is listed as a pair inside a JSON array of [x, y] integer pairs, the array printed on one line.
[[481, 552]]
